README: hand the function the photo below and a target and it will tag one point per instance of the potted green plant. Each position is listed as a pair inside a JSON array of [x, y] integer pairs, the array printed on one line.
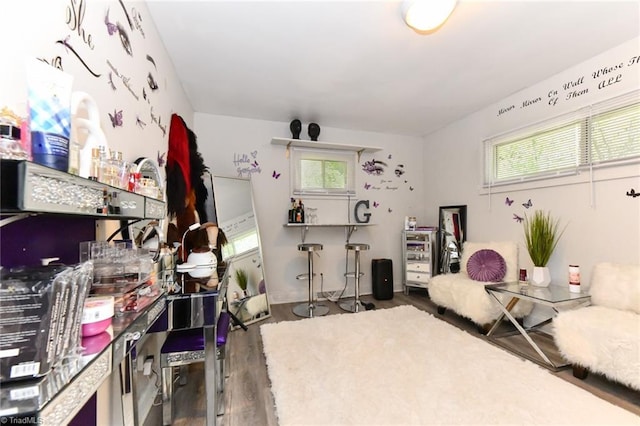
[[242, 279], [542, 233]]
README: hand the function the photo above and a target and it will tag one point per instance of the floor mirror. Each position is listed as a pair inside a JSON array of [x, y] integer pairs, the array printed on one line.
[[452, 232], [242, 252]]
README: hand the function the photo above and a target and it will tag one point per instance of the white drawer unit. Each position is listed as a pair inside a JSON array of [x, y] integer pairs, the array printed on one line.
[[418, 256]]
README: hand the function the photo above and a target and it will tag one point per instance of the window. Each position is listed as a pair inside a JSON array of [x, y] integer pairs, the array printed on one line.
[[606, 133], [323, 172]]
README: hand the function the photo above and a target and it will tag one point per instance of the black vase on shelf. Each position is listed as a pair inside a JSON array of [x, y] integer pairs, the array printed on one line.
[[314, 131], [296, 128]]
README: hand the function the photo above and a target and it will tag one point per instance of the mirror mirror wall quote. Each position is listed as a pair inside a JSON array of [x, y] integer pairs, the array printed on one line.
[[452, 232], [247, 292]]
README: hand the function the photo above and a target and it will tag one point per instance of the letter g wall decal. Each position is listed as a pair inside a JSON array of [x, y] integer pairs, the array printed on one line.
[[366, 215]]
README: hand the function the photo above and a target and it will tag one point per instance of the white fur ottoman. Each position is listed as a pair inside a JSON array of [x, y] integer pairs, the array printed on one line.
[[605, 337], [467, 297]]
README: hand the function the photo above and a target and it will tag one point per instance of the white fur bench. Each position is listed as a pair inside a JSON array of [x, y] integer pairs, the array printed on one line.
[[605, 337], [467, 297]]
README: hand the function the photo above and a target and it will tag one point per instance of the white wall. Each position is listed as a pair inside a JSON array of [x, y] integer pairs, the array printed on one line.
[[603, 224], [34, 31], [222, 139]]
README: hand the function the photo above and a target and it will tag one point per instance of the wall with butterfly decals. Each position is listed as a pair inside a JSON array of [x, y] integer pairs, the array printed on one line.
[[602, 222], [389, 179], [114, 53]]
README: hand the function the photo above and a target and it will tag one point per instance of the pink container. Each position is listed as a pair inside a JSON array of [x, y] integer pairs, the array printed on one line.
[[97, 314]]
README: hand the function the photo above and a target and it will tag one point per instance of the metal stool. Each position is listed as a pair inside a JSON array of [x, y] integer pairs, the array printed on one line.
[[309, 309], [355, 304]]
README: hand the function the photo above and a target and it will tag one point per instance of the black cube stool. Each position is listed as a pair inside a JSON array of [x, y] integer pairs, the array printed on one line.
[[310, 309], [354, 305]]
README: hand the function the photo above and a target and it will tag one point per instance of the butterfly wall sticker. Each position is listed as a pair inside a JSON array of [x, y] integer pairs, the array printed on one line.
[[367, 185], [116, 118], [507, 201], [111, 27], [528, 204], [161, 159], [376, 204], [254, 164], [275, 175], [517, 218]]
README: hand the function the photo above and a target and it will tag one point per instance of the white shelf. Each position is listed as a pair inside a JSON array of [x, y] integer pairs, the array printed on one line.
[[322, 145]]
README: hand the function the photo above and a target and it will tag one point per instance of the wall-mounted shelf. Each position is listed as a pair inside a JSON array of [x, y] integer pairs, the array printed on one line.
[[322, 145], [28, 187]]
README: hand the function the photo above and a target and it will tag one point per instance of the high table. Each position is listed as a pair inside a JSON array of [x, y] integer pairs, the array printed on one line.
[[304, 227], [555, 296]]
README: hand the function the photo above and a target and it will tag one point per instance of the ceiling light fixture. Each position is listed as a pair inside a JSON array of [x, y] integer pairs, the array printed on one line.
[[426, 16]]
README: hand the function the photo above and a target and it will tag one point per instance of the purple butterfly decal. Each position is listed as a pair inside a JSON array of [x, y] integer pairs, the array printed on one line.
[[376, 204], [111, 28], [527, 204], [161, 158], [367, 185], [254, 164], [275, 175], [116, 118], [508, 202], [517, 218]]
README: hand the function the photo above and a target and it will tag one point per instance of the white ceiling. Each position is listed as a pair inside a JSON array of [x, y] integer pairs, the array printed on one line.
[[356, 65]]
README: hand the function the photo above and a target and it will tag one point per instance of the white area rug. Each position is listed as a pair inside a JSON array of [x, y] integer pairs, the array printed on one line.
[[402, 366]]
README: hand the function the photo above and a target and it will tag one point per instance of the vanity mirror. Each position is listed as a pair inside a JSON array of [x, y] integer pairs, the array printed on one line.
[[235, 215], [452, 232]]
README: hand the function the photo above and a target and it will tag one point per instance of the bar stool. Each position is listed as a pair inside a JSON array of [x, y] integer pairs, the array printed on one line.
[[355, 304], [309, 309]]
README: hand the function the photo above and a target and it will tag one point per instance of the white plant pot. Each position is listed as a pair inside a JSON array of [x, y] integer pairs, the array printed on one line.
[[540, 276]]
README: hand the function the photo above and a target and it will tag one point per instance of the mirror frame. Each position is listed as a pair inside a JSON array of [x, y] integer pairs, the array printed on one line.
[[461, 210], [229, 261]]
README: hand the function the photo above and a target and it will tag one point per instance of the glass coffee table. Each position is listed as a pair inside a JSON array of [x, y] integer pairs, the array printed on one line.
[[555, 296]]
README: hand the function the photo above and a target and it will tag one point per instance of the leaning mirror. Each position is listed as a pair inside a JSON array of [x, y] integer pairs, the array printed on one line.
[[242, 255], [452, 232]]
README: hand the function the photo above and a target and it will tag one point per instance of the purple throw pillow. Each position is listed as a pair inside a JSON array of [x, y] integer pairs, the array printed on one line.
[[486, 265]]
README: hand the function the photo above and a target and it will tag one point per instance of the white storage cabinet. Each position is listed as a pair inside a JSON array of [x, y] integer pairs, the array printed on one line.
[[418, 256]]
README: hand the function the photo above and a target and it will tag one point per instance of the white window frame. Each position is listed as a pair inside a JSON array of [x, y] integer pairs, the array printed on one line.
[[299, 154], [576, 149]]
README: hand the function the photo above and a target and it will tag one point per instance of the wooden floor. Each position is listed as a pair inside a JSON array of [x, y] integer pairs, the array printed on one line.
[[248, 399]]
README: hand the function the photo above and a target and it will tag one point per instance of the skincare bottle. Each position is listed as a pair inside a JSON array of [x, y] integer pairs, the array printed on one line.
[[95, 164]]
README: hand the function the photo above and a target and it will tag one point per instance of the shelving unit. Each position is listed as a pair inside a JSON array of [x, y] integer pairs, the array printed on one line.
[[418, 257], [30, 188], [322, 145]]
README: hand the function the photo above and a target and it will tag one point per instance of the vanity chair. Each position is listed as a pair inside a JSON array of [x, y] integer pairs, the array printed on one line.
[[309, 309], [464, 292], [184, 347], [354, 305]]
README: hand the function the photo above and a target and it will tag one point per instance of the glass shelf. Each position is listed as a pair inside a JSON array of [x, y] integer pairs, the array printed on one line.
[[28, 187]]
